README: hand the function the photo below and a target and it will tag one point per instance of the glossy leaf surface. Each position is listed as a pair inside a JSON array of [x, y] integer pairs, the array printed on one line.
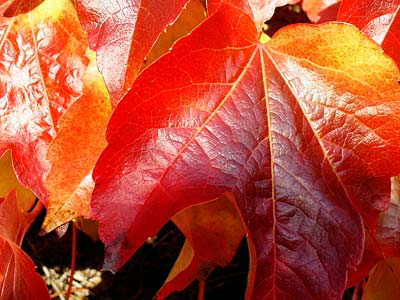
[[122, 33], [379, 19], [41, 67], [302, 132]]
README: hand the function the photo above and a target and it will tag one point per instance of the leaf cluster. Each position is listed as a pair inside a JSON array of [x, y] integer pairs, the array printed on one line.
[[132, 114]]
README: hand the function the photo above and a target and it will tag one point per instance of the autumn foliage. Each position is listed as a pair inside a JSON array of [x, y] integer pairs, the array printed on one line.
[[133, 113]]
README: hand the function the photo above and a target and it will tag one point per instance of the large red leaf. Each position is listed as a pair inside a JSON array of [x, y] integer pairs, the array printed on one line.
[[122, 33], [380, 19], [41, 65], [18, 278], [303, 131]]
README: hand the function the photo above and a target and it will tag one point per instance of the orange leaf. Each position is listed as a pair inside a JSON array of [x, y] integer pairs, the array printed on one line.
[[384, 281], [9, 182], [74, 151], [379, 19]]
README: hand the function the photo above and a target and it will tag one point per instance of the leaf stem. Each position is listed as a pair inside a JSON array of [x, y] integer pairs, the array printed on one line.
[[73, 261], [200, 294]]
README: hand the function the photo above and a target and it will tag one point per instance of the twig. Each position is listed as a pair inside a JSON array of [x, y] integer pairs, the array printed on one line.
[[73, 261], [200, 294]]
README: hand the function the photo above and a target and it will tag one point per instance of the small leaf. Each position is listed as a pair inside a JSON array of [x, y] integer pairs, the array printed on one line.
[[383, 281], [21, 7], [14, 222], [9, 182], [213, 231], [319, 11], [18, 278]]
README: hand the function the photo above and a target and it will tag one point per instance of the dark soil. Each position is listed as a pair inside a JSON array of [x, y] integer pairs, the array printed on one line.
[[143, 274]]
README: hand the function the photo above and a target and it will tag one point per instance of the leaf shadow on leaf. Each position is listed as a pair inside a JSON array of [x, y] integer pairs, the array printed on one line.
[[21, 7]]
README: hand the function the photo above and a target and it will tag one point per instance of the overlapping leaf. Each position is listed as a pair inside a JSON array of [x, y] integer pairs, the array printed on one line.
[[383, 281], [74, 152], [260, 11], [213, 232], [379, 19], [383, 241], [9, 182], [319, 11], [18, 278], [302, 131], [122, 33], [41, 66], [192, 15]]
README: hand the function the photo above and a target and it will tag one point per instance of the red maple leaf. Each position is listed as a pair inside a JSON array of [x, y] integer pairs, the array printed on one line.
[[303, 131]]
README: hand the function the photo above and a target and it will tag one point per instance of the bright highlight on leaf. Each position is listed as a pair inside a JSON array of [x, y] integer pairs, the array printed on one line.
[[42, 65], [9, 182], [122, 33]]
